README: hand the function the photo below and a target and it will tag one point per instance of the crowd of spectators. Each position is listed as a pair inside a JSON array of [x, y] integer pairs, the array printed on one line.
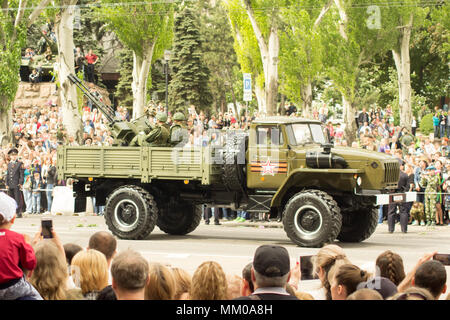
[[47, 269]]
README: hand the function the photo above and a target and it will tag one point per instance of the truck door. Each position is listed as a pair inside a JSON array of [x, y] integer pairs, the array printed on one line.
[[267, 167]]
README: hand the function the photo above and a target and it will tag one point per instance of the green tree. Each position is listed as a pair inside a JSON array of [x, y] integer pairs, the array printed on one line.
[[14, 21], [265, 22], [301, 51], [146, 29], [190, 75], [247, 50], [218, 53], [352, 39], [123, 89], [406, 17]]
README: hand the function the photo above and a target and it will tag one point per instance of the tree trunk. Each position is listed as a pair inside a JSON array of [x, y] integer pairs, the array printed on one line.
[[269, 56], [68, 93], [233, 95], [260, 98], [5, 122], [141, 70], [306, 92], [403, 66], [271, 79], [349, 120]]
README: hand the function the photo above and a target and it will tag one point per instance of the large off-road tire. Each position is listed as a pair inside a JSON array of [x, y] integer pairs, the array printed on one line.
[[234, 161], [131, 212], [358, 225], [179, 218], [312, 218]]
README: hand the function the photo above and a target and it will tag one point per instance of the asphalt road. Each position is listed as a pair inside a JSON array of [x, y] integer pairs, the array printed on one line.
[[233, 244]]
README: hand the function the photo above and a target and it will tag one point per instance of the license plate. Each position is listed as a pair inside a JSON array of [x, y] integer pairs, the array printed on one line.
[[398, 198]]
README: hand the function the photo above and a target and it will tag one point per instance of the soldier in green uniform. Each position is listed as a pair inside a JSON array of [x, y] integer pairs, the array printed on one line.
[[144, 124], [178, 133], [417, 213], [159, 136], [406, 140], [431, 182]]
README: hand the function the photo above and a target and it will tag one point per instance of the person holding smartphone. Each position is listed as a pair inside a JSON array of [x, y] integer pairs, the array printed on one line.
[[16, 253]]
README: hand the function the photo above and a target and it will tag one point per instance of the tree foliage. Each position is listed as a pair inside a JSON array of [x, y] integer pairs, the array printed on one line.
[[301, 48], [190, 75], [218, 52]]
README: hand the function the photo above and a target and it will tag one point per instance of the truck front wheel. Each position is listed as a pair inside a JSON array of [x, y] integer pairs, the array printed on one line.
[[131, 213], [179, 218], [312, 218]]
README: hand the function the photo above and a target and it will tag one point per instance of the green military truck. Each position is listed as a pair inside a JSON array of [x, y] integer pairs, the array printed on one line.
[[282, 165]]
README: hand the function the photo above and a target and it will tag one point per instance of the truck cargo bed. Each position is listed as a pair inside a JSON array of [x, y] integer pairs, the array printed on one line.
[[143, 163]]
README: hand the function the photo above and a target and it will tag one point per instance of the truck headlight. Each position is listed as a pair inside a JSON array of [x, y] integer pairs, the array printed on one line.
[[359, 181]]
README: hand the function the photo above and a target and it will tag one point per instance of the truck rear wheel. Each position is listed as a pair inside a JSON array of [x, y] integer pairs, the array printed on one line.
[[312, 218], [358, 225], [179, 218], [131, 213]]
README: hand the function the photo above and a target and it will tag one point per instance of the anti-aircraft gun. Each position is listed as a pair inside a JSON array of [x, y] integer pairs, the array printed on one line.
[[122, 131]]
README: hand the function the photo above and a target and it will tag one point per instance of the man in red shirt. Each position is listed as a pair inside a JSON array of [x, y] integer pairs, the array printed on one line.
[[16, 253], [91, 60]]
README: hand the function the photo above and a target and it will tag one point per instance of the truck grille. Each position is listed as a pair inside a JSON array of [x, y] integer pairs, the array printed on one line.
[[391, 172]]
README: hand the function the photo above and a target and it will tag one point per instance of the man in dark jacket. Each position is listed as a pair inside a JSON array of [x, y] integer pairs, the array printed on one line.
[[14, 180], [270, 274], [363, 117], [403, 186]]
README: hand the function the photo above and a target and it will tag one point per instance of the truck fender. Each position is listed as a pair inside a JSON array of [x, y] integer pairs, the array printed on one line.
[[302, 177]]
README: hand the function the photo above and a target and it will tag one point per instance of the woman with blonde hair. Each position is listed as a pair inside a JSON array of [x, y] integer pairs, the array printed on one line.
[[89, 271], [209, 282], [50, 275], [183, 282], [161, 284], [326, 262]]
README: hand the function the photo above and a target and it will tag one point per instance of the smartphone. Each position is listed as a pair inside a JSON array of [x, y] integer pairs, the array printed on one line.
[[47, 226], [444, 258], [306, 268]]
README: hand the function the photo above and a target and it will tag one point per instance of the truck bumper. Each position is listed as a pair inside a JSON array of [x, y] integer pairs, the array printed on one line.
[[391, 198]]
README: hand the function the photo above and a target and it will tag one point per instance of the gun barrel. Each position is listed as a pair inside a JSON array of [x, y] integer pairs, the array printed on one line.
[[107, 111]]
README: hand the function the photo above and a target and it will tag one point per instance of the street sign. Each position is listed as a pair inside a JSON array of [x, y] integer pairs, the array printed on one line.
[[247, 87]]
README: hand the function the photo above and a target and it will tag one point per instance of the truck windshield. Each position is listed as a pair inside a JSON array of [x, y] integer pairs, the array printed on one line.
[[304, 133]]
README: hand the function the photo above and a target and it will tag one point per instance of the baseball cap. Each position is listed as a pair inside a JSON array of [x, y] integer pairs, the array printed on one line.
[[383, 285], [271, 261], [7, 206]]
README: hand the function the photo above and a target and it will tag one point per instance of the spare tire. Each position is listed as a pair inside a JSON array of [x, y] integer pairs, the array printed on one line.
[[234, 161]]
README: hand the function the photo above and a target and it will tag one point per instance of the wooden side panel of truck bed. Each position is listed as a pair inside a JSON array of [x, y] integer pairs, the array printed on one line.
[[143, 163]]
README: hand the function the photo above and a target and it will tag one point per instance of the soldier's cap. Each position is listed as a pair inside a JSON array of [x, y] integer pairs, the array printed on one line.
[[178, 116], [271, 261], [8, 207], [13, 151], [161, 116]]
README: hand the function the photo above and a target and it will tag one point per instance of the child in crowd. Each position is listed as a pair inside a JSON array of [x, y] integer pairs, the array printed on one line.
[[15, 254]]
